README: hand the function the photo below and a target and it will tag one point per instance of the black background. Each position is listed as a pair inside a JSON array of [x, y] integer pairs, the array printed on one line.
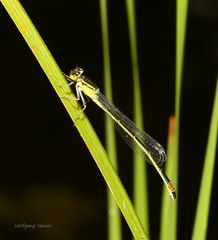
[[46, 173]]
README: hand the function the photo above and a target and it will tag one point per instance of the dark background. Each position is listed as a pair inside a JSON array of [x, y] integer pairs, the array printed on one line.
[[46, 172]]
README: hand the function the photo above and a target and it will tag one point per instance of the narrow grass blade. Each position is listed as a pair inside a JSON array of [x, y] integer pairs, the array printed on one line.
[[140, 177], [114, 218], [44, 57], [181, 17], [201, 218], [169, 207]]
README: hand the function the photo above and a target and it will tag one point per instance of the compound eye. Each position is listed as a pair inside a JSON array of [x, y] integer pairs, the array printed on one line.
[[77, 72]]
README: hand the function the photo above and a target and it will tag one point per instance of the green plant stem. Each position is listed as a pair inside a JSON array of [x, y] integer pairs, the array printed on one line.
[[201, 218], [114, 218], [140, 175]]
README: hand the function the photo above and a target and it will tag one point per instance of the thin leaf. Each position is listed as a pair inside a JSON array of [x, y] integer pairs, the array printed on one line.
[[181, 16], [140, 177], [201, 218], [114, 218]]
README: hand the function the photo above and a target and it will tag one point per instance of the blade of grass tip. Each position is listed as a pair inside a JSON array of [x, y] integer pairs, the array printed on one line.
[[114, 218], [48, 64], [169, 208], [201, 218], [140, 175], [181, 17]]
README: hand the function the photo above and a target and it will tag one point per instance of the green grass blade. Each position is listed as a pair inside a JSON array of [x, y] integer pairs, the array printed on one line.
[[140, 177], [169, 207], [114, 218], [181, 17], [42, 54], [201, 218]]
